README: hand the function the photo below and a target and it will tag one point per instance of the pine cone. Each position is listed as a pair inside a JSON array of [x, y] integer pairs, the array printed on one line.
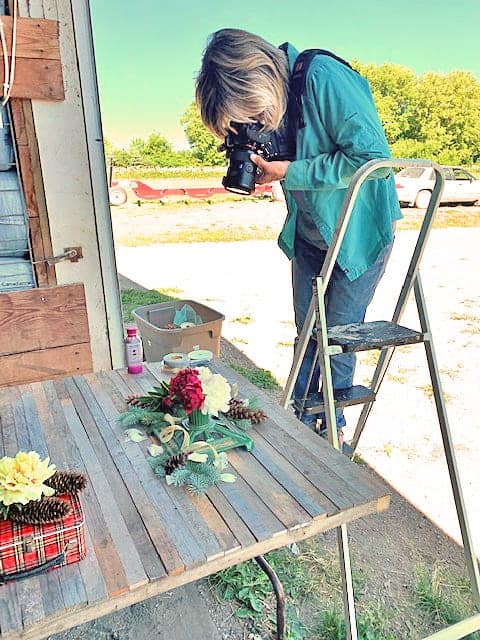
[[257, 416], [134, 401], [39, 511], [175, 462], [67, 482], [238, 411]]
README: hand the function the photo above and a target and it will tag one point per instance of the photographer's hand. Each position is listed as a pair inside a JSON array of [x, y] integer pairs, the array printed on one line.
[[269, 171]]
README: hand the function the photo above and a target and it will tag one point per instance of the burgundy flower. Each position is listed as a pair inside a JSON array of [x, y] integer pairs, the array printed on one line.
[[186, 389]]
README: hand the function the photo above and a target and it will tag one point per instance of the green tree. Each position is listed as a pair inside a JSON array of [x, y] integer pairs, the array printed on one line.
[[135, 150], [448, 115], [156, 151], [203, 144], [121, 158], [394, 91], [435, 116]]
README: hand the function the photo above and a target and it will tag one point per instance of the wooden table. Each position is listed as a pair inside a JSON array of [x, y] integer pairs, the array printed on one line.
[[144, 537]]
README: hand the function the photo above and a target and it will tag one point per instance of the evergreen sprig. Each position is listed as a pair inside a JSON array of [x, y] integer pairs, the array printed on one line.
[[243, 425], [196, 476], [152, 420], [154, 399]]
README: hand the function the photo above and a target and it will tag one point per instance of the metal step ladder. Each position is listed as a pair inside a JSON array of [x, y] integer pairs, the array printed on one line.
[[385, 336]]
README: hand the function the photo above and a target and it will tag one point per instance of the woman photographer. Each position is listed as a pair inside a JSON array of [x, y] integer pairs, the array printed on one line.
[[245, 79]]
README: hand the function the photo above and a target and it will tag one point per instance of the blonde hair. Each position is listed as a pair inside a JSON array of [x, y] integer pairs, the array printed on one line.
[[242, 76]]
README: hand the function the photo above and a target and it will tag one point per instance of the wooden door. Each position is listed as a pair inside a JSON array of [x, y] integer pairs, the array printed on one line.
[[43, 334]]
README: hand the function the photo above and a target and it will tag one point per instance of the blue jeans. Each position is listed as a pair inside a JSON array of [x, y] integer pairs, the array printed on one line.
[[346, 302]]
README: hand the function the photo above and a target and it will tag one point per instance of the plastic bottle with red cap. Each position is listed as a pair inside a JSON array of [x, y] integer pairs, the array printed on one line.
[[134, 349]]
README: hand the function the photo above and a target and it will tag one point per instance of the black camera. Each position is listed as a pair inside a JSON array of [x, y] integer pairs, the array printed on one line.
[[271, 145]]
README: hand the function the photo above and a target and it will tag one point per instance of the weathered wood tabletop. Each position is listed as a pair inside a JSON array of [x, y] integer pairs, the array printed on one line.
[[145, 537]]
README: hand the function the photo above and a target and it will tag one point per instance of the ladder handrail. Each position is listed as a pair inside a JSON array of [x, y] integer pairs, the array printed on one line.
[[348, 204], [350, 198]]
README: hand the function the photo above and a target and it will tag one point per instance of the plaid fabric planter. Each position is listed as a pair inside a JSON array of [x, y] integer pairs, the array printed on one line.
[[27, 549]]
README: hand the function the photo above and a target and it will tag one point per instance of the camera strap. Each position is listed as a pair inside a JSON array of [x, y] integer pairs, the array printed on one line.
[[298, 82]]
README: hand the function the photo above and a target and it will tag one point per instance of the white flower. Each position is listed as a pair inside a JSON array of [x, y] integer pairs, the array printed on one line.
[[216, 390]]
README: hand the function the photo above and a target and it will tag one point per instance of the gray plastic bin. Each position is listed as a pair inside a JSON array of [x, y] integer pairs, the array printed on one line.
[[158, 341]]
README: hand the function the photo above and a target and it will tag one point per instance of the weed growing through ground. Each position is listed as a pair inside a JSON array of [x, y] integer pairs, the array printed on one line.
[[249, 590], [443, 596], [388, 449], [243, 319], [285, 343], [310, 579], [369, 358], [427, 390], [372, 624], [397, 378]]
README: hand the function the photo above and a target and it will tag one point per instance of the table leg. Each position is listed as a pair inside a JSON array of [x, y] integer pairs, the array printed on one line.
[[279, 595]]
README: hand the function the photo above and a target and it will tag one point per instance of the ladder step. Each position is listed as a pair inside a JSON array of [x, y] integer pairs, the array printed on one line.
[[358, 394], [363, 336]]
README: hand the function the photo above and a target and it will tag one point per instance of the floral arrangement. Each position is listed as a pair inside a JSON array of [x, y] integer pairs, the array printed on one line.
[[195, 419], [27, 484], [22, 478], [196, 390], [217, 392]]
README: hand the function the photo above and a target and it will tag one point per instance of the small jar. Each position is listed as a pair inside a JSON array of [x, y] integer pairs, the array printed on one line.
[[134, 349]]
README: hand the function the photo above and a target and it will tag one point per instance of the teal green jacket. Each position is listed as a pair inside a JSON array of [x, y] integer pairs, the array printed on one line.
[[342, 132]]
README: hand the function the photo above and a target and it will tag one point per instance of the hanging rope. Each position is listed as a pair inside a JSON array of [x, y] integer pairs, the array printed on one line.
[[9, 67]]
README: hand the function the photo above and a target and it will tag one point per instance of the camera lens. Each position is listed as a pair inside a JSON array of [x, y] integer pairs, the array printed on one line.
[[241, 173]]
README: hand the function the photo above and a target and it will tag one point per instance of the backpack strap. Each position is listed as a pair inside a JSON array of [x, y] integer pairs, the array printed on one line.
[[298, 82]]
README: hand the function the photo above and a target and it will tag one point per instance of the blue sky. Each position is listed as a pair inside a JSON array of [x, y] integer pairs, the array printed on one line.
[[148, 52]]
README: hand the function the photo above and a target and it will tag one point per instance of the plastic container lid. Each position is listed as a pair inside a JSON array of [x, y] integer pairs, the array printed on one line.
[[131, 332]]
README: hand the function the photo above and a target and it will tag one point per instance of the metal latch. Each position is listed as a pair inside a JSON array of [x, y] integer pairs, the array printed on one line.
[[28, 545], [71, 254]]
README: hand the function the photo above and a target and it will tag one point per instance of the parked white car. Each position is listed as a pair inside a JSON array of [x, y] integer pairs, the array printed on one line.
[[415, 185]]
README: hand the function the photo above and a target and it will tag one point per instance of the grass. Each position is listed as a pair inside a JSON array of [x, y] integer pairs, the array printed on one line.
[[472, 322], [131, 173], [262, 378], [249, 591], [132, 298], [369, 358], [372, 624], [243, 320], [189, 236], [442, 596], [427, 390], [311, 579], [388, 449], [401, 379], [444, 219]]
